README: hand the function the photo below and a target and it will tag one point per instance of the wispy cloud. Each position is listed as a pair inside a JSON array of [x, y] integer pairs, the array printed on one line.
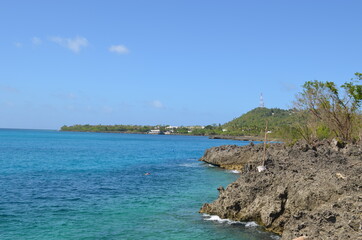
[[36, 41], [74, 44], [119, 49], [18, 44], [156, 104]]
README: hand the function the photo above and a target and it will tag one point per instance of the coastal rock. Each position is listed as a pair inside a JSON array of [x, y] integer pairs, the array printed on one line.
[[301, 238], [230, 156], [314, 192]]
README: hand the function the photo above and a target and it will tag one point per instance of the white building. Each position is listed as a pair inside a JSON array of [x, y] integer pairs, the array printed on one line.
[[172, 127], [154, 131]]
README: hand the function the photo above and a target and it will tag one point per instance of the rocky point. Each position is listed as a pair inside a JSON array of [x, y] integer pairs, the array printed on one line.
[[306, 192]]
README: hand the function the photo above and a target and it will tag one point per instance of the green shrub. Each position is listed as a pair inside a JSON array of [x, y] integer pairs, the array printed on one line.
[[323, 132]]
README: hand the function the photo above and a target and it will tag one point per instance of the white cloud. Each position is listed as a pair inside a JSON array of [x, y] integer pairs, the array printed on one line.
[[120, 49], [156, 104], [36, 41], [18, 44], [73, 44]]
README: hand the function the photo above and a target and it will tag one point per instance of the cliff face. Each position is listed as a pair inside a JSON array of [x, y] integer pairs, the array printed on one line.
[[305, 191]]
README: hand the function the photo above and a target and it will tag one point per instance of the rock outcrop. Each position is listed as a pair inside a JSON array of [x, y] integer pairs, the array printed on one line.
[[307, 191]]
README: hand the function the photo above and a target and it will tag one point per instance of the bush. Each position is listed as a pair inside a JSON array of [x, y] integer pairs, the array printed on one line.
[[336, 108]]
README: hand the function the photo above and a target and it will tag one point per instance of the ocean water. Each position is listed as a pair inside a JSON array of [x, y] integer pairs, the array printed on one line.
[[62, 185]]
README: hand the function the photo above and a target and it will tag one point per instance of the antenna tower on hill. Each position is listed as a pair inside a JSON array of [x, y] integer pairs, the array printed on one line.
[[261, 104]]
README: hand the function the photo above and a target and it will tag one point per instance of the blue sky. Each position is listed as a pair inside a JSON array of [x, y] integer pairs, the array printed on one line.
[[167, 62]]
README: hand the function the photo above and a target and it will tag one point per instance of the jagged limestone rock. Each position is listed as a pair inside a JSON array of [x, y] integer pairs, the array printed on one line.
[[309, 191]]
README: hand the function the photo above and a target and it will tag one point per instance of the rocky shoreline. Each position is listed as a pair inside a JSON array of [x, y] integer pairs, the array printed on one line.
[[313, 192], [242, 138], [238, 138]]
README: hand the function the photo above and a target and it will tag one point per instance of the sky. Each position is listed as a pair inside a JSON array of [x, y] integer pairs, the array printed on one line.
[[189, 62]]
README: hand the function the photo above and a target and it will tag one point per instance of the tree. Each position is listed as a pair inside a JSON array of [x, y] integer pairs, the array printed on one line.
[[335, 107]]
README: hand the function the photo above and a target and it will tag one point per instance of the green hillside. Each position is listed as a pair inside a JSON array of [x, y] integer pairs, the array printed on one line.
[[253, 122]]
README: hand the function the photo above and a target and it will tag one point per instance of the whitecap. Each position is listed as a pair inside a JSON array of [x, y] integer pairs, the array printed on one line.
[[234, 171], [251, 224], [210, 165], [216, 218]]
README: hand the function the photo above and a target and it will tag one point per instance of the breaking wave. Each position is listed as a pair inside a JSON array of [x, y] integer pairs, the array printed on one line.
[[216, 218]]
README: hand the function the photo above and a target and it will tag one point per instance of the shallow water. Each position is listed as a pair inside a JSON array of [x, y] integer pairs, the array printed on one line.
[[61, 185]]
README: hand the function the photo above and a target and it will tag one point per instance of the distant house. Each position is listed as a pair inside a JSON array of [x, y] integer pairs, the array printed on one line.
[[154, 131], [172, 127]]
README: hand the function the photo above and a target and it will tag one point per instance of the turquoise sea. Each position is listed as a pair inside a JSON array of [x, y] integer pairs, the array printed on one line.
[[63, 185]]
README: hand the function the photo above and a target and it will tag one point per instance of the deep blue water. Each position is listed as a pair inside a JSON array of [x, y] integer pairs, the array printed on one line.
[[62, 185]]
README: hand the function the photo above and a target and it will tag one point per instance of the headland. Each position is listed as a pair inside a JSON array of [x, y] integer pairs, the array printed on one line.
[[310, 191]]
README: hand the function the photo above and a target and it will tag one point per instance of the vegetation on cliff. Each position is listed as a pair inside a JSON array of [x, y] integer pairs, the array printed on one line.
[[331, 111]]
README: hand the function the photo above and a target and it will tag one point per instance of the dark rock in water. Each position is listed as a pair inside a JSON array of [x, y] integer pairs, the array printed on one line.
[[310, 191]]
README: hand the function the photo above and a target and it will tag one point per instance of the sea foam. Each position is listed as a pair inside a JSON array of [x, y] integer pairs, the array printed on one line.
[[216, 218]]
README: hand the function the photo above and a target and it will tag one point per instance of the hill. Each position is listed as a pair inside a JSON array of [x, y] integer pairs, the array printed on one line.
[[253, 122]]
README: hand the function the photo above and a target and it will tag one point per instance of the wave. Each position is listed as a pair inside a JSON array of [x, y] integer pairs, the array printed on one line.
[[216, 218], [251, 224], [234, 171], [192, 165]]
